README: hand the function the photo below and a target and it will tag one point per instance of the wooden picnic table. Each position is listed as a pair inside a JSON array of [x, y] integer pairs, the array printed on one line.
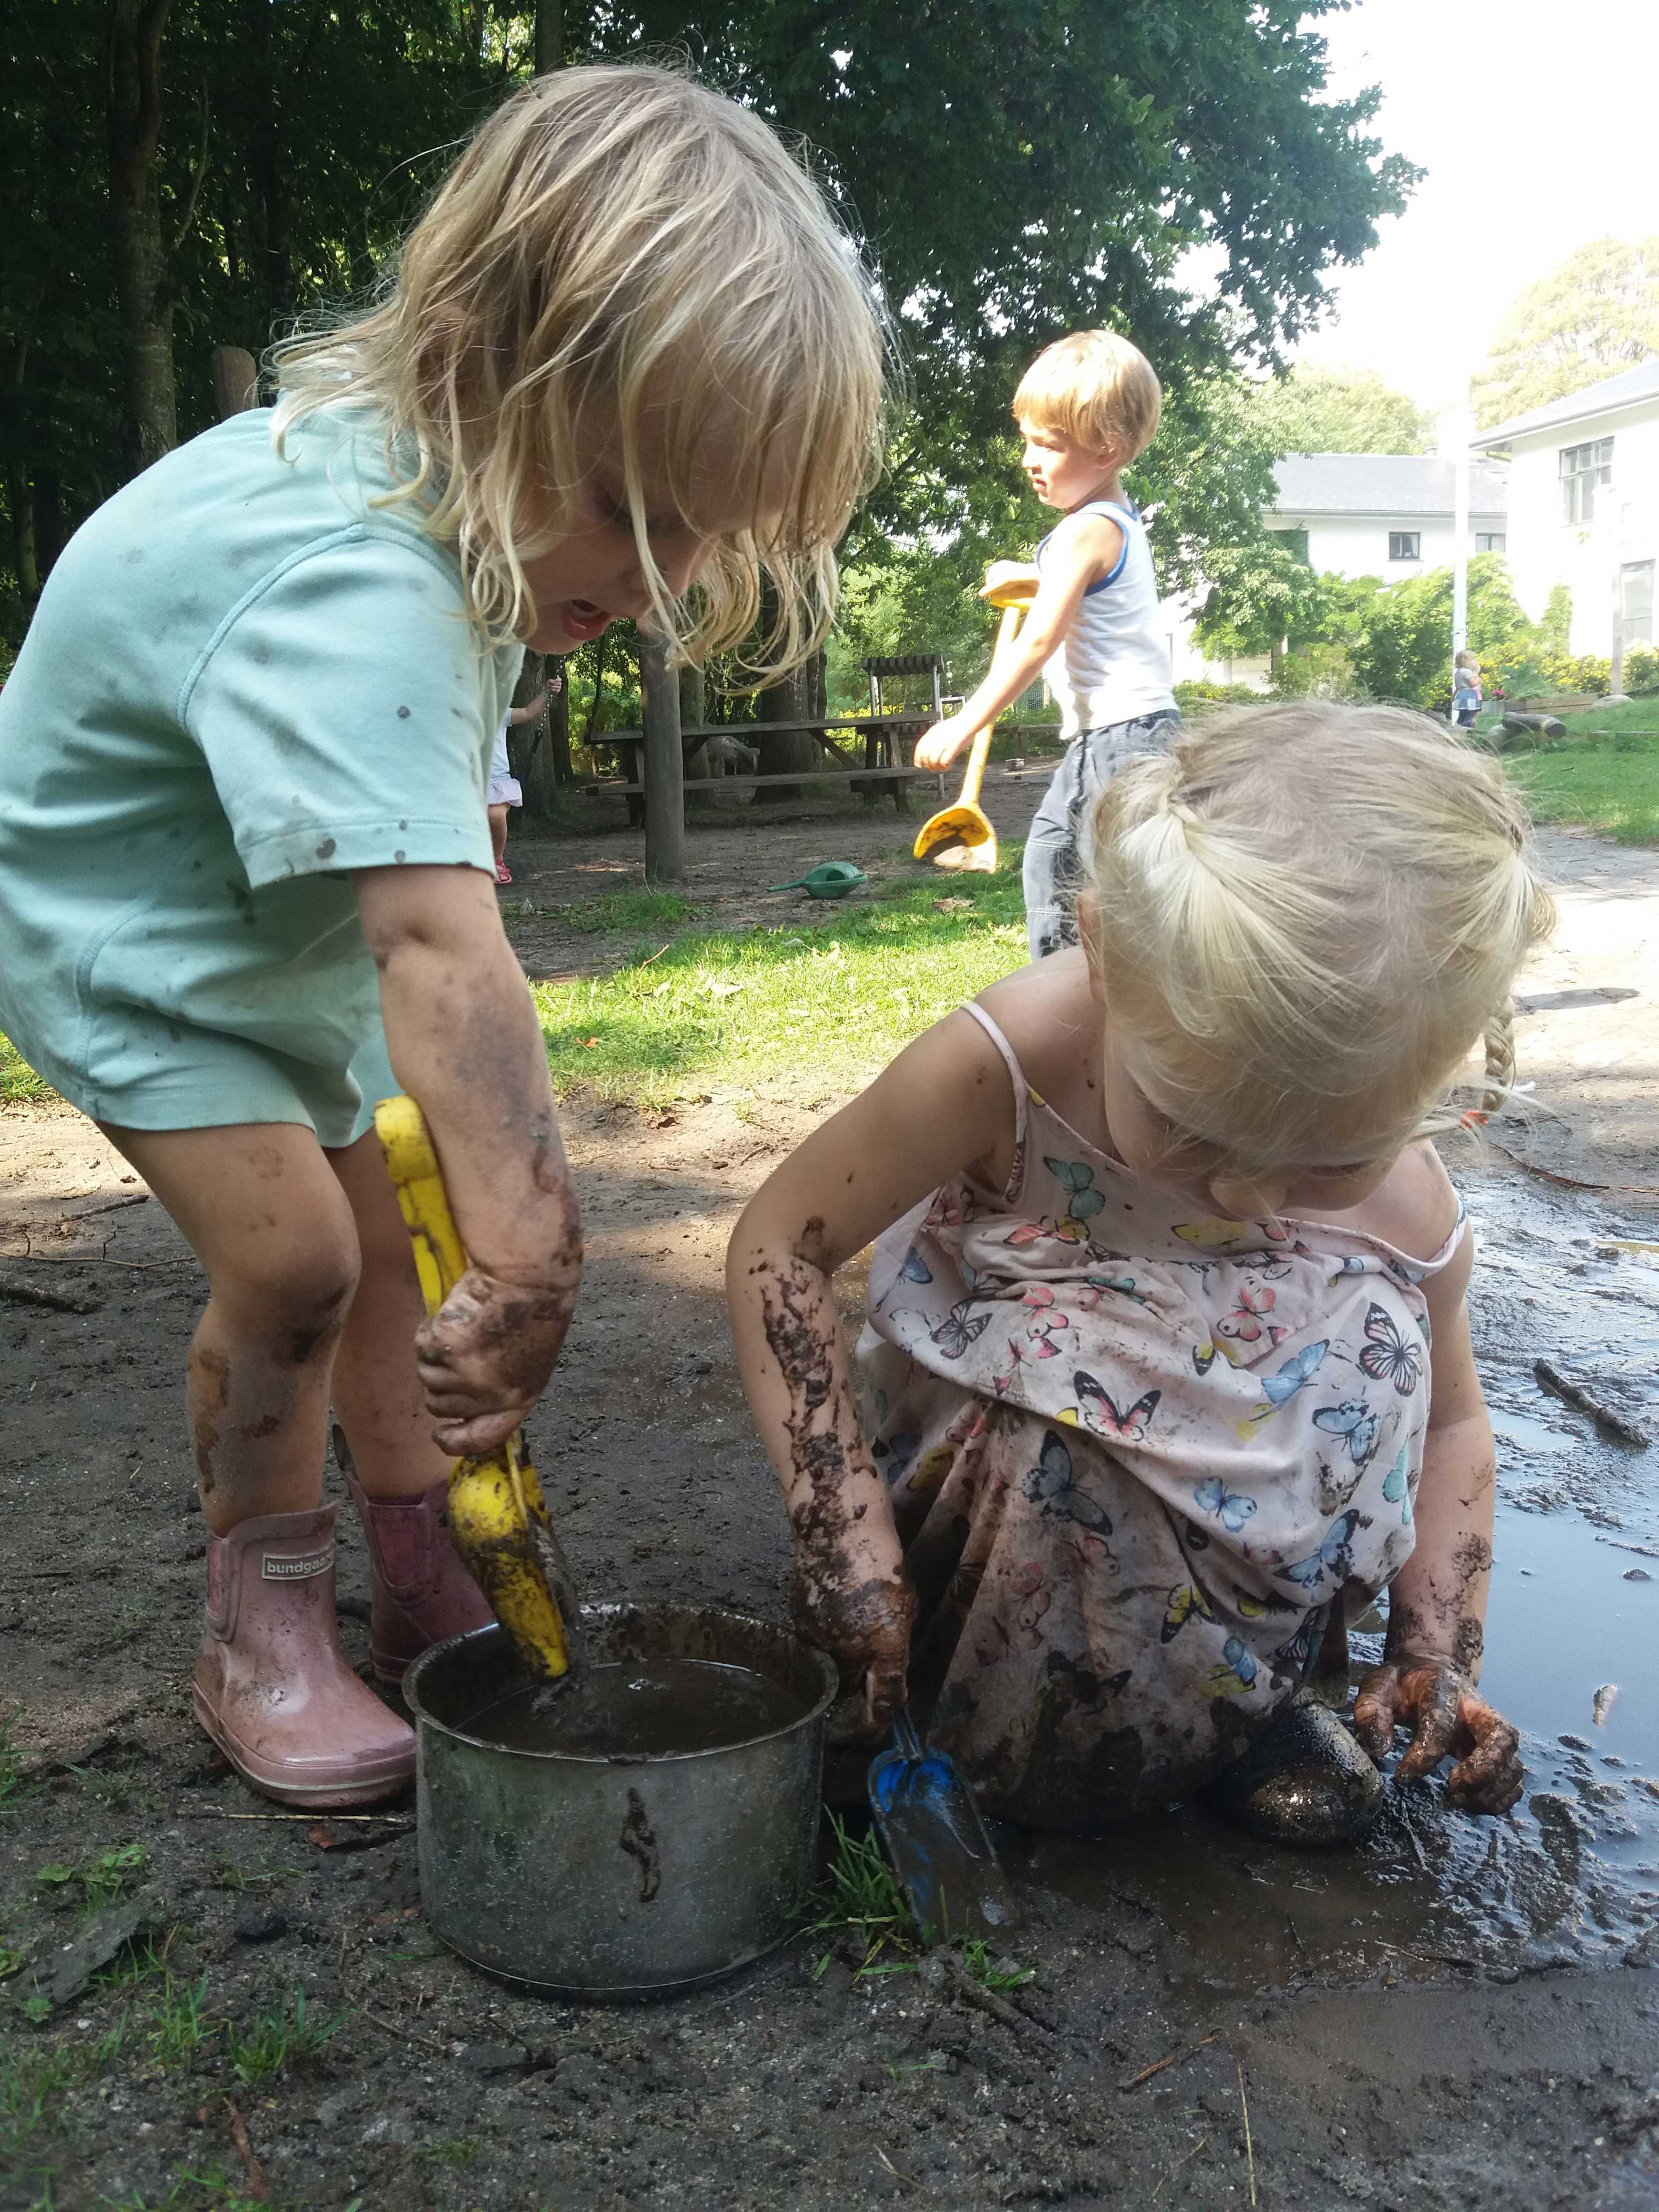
[[877, 731]]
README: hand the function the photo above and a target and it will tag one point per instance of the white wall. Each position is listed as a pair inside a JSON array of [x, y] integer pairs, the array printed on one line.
[[1545, 551], [1357, 545]]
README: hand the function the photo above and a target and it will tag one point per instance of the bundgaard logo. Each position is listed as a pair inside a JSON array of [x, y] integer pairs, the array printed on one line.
[[300, 1569]]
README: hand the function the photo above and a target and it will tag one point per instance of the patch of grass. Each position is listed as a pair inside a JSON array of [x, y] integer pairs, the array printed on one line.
[[178, 2026], [976, 1964], [18, 1079], [622, 910], [455, 2150], [1605, 774], [31, 2084], [139, 1964], [832, 996], [101, 1880], [211, 2190], [227, 1874], [274, 2041], [859, 1897], [12, 1962]]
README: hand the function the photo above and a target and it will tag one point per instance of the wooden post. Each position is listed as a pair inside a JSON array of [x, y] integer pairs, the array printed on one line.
[[663, 765], [235, 382]]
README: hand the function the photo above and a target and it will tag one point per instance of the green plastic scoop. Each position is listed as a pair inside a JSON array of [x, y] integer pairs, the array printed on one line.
[[829, 880]]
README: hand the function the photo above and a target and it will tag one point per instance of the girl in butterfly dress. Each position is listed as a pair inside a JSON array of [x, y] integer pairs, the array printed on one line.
[[1167, 1354]]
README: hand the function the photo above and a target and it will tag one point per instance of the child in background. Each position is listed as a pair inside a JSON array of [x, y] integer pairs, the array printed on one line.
[[1168, 1358], [246, 886], [1466, 690], [504, 788], [1085, 408]]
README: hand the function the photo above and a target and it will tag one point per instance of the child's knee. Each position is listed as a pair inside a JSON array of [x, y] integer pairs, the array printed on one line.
[[294, 1299]]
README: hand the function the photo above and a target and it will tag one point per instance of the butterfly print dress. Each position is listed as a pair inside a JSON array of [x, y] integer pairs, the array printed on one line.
[[1133, 1455]]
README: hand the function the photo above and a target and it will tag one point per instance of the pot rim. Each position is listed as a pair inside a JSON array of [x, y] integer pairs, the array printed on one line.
[[429, 1659]]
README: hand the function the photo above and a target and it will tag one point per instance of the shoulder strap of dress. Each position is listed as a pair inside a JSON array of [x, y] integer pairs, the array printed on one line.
[[1460, 1230], [1022, 1094]]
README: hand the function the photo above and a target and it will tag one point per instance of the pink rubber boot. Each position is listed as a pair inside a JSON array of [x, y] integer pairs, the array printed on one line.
[[272, 1687], [423, 1593]]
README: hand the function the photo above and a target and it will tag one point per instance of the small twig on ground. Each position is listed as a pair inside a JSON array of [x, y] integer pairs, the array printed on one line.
[[1174, 2059], [110, 1206], [989, 2002], [335, 1819], [1604, 1416], [25, 1294], [409, 2035], [1411, 1838], [909, 2180], [257, 2187], [1244, 2105], [1567, 1181]]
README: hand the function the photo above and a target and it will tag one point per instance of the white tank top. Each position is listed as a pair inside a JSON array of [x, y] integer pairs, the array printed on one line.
[[1112, 667]]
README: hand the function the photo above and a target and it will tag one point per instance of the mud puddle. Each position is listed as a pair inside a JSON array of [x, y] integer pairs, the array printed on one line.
[[1572, 1875]]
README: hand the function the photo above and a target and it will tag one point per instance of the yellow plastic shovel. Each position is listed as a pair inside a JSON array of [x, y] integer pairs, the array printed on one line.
[[961, 836], [497, 1517]]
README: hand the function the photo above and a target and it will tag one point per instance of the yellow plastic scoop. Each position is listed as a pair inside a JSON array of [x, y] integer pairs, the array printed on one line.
[[497, 1517], [961, 836]]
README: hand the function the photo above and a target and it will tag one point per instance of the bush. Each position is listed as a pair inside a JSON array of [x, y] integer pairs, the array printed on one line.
[[1641, 671], [1199, 692]]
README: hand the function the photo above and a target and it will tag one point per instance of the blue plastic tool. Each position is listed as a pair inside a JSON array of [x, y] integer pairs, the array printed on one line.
[[936, 1841]]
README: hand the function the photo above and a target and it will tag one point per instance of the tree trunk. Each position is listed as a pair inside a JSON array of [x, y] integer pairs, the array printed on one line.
[[269, 205], [783, 751], [143, 289], [662, 764], [549, 35], [20, 498], [558, 730]]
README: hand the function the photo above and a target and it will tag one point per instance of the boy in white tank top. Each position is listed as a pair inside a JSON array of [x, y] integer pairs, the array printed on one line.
[[1087, 405]]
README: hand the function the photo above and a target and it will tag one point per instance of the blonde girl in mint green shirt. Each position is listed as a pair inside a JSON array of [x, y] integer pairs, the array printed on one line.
[[246, 886]]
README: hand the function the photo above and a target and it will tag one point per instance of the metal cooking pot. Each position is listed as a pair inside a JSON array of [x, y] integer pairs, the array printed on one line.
[[623, 1877]]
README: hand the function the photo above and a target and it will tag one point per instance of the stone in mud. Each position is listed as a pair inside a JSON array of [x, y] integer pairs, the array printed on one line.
[[1303, 1782], [99, 1944]]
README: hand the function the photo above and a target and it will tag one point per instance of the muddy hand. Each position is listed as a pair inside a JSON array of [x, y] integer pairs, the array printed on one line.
[[484, 1357], [862, 1617], [1449, 1719]]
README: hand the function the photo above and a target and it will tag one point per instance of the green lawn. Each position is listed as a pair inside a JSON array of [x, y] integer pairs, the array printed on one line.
[[1605, 774], [825, 1000]]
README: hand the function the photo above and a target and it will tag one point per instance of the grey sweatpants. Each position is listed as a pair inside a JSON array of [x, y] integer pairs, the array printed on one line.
[[1055, 861]]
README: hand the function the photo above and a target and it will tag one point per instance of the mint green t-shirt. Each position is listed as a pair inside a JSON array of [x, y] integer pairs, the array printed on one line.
[[242, 681]]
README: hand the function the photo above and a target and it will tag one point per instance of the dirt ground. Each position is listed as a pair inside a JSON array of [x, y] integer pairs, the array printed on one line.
[[1459, 2014]]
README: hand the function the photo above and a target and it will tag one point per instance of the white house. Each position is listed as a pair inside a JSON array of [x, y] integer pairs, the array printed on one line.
[[1360, 514], [1584, 506]]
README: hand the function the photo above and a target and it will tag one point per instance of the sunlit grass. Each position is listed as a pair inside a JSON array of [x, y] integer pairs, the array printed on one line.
[[827, 999], [1604, 775]]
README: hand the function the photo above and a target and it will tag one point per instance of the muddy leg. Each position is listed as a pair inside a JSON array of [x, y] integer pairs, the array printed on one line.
[[272, 1229]]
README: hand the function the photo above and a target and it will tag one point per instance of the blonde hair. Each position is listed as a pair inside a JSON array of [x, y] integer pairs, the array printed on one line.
[[1306, 916], [620, 249], [1096, 389]]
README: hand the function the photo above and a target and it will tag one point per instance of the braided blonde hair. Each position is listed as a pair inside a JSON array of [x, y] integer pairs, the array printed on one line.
[[619, 248], [1307, 916]]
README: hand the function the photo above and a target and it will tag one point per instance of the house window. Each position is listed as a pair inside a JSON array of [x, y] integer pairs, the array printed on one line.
[[1405, 545], [1584, 467], [1295, 543], [1490, 541], [1635, 601]]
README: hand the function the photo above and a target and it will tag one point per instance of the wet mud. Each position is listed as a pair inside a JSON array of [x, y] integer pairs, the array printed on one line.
[[646, 1708], [1458, 2015]]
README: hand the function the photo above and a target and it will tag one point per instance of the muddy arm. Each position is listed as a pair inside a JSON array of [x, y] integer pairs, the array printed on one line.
[[1437, 1601], [942, 1105], [465, 1044]]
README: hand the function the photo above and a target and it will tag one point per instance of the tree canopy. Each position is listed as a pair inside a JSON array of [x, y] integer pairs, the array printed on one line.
[[1596, 314], [1340, 410], [1017, 168]]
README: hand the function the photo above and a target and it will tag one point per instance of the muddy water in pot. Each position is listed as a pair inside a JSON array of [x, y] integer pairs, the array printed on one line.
[[650, 1708], [651, 1825]]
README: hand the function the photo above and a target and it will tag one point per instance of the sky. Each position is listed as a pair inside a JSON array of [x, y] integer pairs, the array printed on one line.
[[1537, 124]]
